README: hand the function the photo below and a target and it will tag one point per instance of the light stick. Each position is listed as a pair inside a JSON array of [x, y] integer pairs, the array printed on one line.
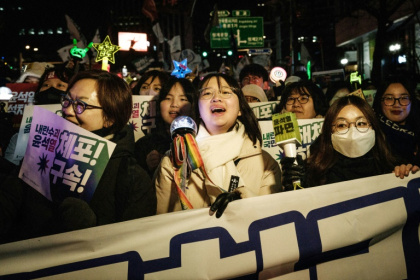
[[106, 51]]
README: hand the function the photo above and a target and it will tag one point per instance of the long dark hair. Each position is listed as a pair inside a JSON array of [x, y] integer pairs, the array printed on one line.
[[190, 92], [247, 116], [323, 156], [163, 78], [320, 101]]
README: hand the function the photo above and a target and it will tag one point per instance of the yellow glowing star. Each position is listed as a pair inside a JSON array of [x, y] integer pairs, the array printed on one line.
[[106, 50]]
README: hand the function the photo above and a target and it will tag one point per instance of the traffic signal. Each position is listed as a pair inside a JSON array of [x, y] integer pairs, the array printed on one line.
[[229, 52], [204, 54]]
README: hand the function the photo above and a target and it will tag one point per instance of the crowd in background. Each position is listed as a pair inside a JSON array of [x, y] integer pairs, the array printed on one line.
[[143, 178]]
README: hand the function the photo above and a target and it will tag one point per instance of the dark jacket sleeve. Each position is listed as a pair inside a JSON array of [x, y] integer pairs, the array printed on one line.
[[135, 194], [24, 212]]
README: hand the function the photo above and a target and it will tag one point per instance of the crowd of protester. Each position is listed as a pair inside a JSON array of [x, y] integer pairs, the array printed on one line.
[[142, 178]]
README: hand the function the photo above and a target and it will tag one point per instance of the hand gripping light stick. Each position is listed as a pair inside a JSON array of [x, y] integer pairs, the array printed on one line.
[[287, 135]]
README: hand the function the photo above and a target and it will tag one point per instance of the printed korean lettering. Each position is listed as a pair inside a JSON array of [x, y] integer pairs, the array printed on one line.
[[66, 144]]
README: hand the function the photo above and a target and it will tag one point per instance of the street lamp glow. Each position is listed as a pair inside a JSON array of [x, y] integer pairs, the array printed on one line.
[[35, 49], [394, 47], [344, 61], [27, 47], [402, 59]]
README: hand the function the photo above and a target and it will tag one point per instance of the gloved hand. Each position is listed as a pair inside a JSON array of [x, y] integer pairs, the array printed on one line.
[[153, 160], [76, 214], [292, 172], [222, 201]]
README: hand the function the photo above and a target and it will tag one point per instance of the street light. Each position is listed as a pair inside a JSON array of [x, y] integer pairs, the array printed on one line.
[[344, 61], [394, 47]]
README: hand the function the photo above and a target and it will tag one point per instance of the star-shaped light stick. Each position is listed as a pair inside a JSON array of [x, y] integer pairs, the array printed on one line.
[[106, 51], [181, 69]]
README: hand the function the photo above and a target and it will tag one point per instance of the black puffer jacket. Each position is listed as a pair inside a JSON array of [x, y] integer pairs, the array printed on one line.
[[125, 190]]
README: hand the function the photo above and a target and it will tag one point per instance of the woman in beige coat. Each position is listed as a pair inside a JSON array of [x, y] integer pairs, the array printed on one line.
[[229, 141]]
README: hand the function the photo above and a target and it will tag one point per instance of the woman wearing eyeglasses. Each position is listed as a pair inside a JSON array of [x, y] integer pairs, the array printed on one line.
[[229, 142], [305, 99], [101, 102], [351, 146], [397, 110]]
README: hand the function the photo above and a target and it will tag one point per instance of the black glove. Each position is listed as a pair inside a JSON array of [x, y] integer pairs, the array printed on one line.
[[222, 201], [76, 214], [292, 172]]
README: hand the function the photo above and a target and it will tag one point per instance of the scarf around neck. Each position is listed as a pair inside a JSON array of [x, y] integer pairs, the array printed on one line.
[[402, 139], [219, 152]]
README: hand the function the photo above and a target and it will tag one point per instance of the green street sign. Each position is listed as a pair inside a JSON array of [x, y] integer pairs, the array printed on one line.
[[241, 13], [247, 32]]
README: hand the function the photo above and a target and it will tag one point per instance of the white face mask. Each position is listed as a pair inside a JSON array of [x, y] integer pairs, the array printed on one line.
[[353, 144], [149, 92]]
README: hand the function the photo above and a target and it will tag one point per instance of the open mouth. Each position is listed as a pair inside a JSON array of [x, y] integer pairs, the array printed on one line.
[[395, 112], [218, 110], [173, 114]]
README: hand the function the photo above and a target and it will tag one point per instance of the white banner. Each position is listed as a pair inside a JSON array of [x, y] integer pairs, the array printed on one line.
[[361, 229]]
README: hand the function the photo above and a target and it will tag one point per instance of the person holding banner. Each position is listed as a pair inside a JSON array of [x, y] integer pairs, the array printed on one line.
[[351, 146], [100, 102], [175, 99], [230, 163], [151, 83], [397, 109], [305, 99]]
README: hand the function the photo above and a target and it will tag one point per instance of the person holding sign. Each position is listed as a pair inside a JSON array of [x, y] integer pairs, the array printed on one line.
[[175, 99], [351, 146], [397, 109], [229, 146], [305, 99], [99, 102]]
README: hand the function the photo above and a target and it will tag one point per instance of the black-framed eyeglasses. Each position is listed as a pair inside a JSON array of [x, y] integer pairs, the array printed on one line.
[[390, 100], [224, 92], [342, 126], [303, 99], [78, 106]]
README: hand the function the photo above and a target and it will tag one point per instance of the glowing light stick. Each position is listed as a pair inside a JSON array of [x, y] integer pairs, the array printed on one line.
[[355, 78], [181, 69], [277, 74], [106, 51], [79, 53]]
